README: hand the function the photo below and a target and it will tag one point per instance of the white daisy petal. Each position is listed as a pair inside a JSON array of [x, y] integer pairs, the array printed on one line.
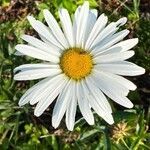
[[81, 24], [90, 24], [107, 117], [121, 80], [67, 26], [48, 42], [109, 30], [75, 21], [120, 47], [122, 68], [35, 66], [52, 49], [52, 90], [17, 53], [46, 89], [98, 27], [34, 74], [114, 95], [84, 105], [61, 104], [113, 85], [123, 46], [98, 106], [113, 57], [121, 21], [108, 42], [71, 109], [127, 44], [30, 92], [52, 23], [36, 53], [99, 97], [94, 12], [44, 31]]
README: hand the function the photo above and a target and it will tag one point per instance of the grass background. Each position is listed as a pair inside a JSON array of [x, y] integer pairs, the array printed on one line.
[[21, 130]]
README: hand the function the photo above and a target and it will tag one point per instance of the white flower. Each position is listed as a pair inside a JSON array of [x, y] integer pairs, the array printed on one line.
[[80, 63]]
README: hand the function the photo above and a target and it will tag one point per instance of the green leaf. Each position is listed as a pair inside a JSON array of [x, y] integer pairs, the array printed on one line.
[[141, 124], [54, 143], [135, 144], [88, 134], [107, 142], [69, 5]]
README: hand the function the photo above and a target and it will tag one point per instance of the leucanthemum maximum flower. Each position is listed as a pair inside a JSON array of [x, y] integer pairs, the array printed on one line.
[[82, 64]]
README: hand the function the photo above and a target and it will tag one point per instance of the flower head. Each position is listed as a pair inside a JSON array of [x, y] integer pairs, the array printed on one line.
[[81, 62], [120, 131]]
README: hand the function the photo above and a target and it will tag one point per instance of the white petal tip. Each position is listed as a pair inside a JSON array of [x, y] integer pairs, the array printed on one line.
[[127, 31], [111, 122], [127, 103], [136, 40], [103, 15], [109, 119], [37, 114], [133, 53], [31, 103], [45, 11], [121, 21], [91, 122], [86, 3], [140, 71], [20, 104], [130, 105], [16, 47], [70, 128], [24, 36], [94, 11], [134, 87], [62, 9], [30, 18], [17, 53], [16, 78], [54, 125]]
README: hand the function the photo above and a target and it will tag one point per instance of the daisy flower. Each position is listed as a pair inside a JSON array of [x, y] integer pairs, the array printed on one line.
[[82, 63]]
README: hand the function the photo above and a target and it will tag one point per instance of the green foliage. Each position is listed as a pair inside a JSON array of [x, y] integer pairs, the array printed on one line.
[[20, 130]]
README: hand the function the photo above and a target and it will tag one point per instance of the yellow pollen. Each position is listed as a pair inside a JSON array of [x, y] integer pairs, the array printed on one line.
[[76, 63]]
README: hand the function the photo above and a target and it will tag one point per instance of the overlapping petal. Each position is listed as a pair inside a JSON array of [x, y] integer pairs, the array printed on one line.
[[121, 68], [67, 26], [48, 95], [61, 105], [97, 105], [55, 28], [81, 24], [84, 104], [36, 53], [71, 109], [44, 31]]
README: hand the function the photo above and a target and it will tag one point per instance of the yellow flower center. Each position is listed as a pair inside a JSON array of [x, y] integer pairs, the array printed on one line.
[[76, 63]]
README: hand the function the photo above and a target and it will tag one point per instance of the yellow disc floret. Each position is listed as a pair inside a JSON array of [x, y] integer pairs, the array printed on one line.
[[76, 63]]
